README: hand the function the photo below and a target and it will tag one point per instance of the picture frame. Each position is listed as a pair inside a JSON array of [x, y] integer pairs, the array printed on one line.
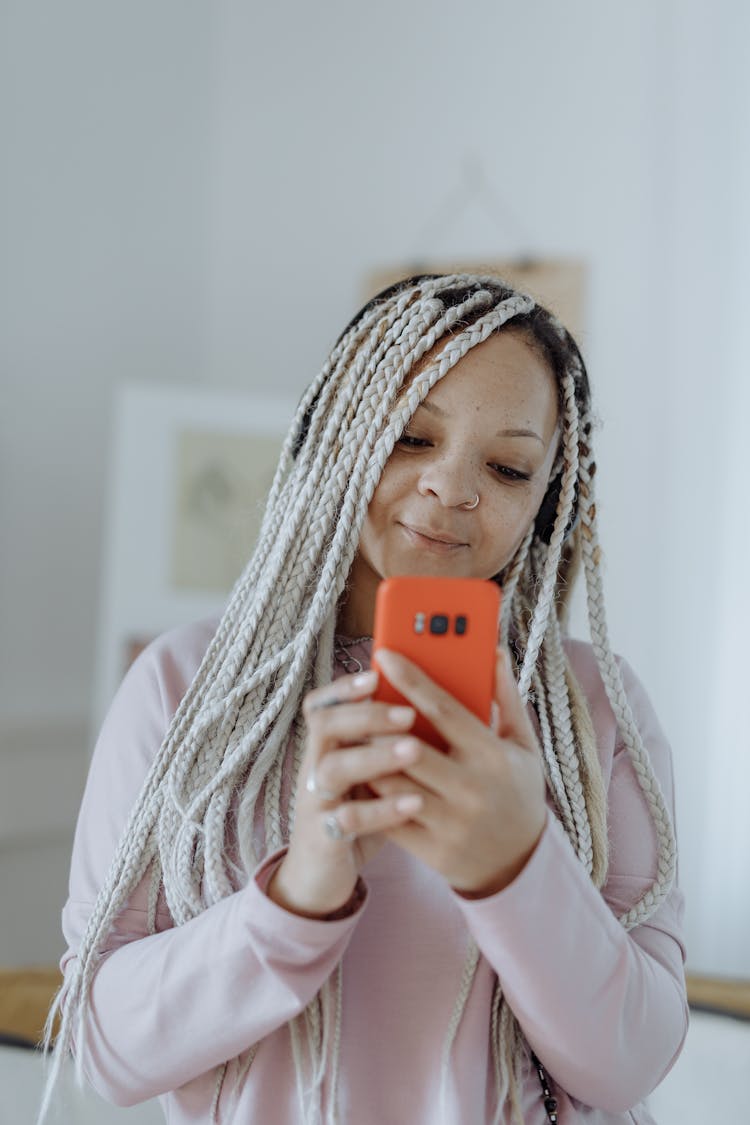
[[558, 283], [189, 473]]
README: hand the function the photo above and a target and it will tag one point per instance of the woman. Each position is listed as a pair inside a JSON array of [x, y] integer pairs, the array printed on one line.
[[310, 915]]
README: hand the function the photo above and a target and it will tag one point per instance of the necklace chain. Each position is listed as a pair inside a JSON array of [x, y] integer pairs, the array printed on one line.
[[341, 646]]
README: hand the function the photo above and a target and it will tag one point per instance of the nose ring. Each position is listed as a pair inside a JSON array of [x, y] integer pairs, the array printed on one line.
[[470, 507]]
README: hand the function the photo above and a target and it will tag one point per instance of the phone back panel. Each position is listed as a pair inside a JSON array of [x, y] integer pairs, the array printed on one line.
[[449, 628]]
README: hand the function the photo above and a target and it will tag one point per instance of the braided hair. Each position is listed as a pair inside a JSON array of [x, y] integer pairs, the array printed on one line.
[[220, 791]]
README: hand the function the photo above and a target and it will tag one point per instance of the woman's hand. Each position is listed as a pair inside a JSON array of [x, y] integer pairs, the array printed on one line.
[[351, 742], [483, 801]]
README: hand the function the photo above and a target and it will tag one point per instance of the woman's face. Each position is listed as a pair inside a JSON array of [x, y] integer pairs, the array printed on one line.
[[488, 428]]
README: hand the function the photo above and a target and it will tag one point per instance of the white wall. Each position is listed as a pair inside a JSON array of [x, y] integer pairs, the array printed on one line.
[[105, 125], [707, 246], [195, 193]]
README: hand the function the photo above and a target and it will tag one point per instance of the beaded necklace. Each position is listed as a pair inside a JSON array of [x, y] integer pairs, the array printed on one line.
[[550, 1103]]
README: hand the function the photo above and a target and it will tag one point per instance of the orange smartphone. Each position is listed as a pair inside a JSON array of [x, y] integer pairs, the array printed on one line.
[[449, 627]]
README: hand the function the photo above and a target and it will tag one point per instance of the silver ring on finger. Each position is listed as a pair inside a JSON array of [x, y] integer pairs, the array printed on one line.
[[311, 785], [334, 830]]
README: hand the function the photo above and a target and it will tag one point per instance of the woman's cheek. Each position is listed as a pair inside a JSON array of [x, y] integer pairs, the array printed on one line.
[[517, 511], [512, 520]]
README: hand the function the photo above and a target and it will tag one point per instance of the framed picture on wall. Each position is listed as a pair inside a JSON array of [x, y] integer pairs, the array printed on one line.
[[189, 475], [558, 283]]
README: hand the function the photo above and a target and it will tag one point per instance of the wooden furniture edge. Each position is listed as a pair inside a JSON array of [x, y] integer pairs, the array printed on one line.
[[719, 994]]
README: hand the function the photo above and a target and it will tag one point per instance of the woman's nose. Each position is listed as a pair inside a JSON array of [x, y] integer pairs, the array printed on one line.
[[449, 482]]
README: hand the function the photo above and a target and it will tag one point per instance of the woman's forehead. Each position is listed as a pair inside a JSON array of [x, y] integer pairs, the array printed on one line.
[[505, 375]]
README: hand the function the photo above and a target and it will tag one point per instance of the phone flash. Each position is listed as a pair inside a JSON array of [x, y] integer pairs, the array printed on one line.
[[419, 620]]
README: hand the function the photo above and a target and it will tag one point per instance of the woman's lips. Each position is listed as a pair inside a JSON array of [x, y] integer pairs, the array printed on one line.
[[421, 539]]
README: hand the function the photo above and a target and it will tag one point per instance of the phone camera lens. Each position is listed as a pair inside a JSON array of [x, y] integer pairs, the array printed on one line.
[[460, 625], [439, 623]]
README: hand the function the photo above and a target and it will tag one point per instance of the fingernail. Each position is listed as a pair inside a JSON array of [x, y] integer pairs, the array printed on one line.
[[406, 749], [365, 680], [411, 803], [401, 715]]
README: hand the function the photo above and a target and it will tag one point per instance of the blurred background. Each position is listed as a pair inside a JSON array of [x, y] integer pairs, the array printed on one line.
[[194, 196]]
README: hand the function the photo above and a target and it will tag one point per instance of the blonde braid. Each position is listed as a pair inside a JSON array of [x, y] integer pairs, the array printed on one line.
[[467, 979], [591, 775], [509, 583], [336, 1046], [219, 1086], [556, 772], [540, 618], [612, 680], [555, 668]]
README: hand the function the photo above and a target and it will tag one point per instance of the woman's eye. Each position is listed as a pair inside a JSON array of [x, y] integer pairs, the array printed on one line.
[[510, 474], [412, 442]]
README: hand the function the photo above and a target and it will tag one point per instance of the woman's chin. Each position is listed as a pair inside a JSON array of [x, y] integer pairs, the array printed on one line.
[[446, 566]]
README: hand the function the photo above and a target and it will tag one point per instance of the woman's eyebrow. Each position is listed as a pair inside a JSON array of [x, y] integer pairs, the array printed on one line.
[[519, 433], [432, 408], [500, 433]]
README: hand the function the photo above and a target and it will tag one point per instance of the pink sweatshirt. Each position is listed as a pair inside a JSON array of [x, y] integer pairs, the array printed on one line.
[[604, 1010]]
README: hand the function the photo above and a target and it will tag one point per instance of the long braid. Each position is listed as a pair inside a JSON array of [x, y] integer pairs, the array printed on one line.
[[467, 978], [235, 744], [546, 596], [592, 781], [336, 1046], [509, 583], [613, 684], [557, 772], [555, 668]]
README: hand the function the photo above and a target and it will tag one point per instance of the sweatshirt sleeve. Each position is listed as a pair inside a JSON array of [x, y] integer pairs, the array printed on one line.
[[166, 1007], [604, 1009]]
